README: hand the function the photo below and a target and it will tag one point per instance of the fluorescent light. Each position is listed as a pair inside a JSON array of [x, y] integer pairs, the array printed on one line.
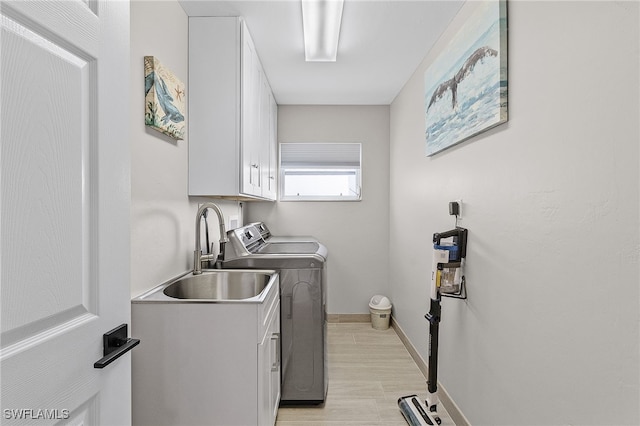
[[321, 23]]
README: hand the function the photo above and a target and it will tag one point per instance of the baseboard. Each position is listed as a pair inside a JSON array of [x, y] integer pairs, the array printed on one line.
[[452, 408], [342, 318]]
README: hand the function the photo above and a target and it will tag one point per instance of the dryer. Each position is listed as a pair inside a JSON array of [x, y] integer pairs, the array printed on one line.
[[301, 262]]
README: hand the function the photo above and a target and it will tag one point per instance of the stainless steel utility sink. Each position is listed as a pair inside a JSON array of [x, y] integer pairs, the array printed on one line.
[[214, 285], [224, 285]]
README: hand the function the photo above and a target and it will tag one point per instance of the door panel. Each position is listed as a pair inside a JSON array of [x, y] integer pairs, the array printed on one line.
[[46, 165], [301, 327], [302, 352], [65, 209]]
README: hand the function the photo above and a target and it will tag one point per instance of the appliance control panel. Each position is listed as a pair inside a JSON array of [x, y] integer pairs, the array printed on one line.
[[264, 231], [249, 236]]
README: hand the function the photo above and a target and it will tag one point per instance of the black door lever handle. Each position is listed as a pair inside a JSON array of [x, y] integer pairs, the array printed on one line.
[[116, 343]]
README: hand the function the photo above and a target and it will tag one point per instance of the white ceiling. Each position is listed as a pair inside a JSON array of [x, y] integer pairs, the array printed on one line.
[[382, 42]]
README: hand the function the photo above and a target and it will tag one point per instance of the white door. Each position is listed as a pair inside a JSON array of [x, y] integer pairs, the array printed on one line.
[[64, 266]]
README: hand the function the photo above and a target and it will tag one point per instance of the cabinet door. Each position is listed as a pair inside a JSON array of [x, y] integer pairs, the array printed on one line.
[[269, 371], [275, 352], [264, 377], [272, 175], [251, 88], [266, 125]]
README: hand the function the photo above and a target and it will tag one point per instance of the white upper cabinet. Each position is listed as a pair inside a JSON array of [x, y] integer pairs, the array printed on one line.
[[231, 113]]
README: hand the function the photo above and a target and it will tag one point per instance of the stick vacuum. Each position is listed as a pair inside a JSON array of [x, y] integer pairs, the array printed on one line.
[[447, 279]]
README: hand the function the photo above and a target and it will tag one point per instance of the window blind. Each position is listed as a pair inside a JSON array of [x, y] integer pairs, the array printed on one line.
[[320, 155]]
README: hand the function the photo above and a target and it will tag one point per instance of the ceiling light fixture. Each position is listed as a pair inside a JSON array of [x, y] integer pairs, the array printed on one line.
[[321, 23]]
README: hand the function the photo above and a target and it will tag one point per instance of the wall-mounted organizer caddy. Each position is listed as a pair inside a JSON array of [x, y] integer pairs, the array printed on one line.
[[448, 262]]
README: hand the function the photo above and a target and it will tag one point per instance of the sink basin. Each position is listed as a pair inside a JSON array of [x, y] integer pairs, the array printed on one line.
[[220, 285]]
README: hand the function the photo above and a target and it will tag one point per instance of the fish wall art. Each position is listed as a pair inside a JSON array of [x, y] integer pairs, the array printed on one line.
[[164, 99], [466, 86]]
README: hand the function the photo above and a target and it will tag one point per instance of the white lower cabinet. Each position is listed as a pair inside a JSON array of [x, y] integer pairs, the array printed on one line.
[[207, 363]]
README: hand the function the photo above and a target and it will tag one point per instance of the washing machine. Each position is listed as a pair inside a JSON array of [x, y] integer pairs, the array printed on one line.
[[302, 263]]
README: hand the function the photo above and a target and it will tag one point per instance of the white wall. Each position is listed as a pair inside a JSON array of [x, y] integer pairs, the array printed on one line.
[[162, 215], [549, 334], [355, 233]]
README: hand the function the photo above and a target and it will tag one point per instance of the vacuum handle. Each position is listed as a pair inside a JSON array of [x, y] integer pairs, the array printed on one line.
[[460, 233], [446, 234]]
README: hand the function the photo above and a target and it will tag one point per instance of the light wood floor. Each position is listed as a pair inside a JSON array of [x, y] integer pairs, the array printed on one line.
[[368, 371]]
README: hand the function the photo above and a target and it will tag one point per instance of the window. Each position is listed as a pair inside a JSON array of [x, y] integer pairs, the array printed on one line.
[[320, 172]]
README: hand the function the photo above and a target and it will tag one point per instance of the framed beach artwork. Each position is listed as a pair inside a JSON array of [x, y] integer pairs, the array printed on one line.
[[164, 99], [466, 86]]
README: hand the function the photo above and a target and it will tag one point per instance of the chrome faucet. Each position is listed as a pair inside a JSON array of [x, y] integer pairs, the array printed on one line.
[[198, 257]]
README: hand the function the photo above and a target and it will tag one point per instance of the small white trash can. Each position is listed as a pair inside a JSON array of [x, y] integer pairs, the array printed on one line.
[[380, 309]]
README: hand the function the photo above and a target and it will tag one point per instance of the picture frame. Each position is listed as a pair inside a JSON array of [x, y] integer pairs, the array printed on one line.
[[466, 87], [165, 99]]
